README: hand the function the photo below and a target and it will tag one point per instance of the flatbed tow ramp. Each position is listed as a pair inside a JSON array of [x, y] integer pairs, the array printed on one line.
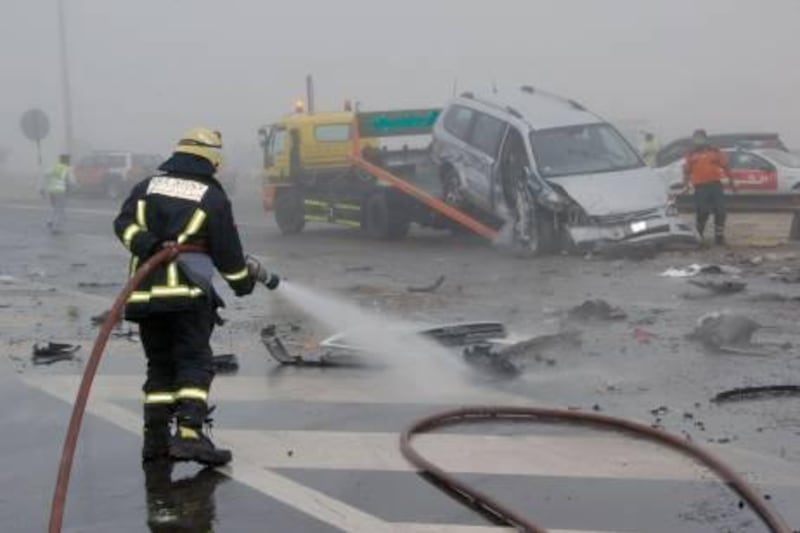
[[356, 180], [404, 123]]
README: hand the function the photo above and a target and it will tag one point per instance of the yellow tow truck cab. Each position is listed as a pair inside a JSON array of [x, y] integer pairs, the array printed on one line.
[[309, 175], [303, 144]]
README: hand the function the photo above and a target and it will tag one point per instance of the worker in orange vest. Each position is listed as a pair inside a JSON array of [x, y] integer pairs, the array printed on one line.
[[705, 168]]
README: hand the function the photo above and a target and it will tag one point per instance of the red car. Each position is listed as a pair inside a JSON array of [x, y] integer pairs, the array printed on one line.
[[113, 174]]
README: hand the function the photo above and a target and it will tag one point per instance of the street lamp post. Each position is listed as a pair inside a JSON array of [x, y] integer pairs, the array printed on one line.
[[66, 97]]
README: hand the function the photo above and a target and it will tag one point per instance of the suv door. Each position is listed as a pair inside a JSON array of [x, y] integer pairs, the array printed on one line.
[[751, 172], [485, 137]]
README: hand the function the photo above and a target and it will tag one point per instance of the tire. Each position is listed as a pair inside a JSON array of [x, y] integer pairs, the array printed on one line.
[[384, 217], [794, 230], [451, 188], [289, 213], [534, 233], [454, 197]]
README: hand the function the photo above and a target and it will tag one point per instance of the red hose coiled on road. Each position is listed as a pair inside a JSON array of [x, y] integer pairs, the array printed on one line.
[[74, 428], [487, 504]]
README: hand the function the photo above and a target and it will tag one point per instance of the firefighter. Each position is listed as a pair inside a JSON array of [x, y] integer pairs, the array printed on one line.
[[175, 306], [54, 186], [705, 168]]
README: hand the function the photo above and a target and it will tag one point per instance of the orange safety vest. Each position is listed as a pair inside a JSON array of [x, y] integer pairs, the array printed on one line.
[[706, 165]]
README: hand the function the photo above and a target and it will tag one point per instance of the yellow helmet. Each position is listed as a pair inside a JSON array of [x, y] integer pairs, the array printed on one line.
[[202, 142]]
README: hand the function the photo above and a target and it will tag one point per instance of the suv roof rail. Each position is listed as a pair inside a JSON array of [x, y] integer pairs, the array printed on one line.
[[468, 94], [572, 103], [513, 112]]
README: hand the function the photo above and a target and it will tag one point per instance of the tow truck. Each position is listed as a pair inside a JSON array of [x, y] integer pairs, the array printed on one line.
[[337, 167]]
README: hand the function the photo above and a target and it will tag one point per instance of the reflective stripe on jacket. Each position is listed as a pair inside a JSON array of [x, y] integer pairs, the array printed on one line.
[[187, 210], [56, 179]]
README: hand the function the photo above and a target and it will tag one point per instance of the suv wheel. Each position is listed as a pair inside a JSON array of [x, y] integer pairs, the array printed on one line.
[[451, 188], [534, 232], [289, 213]]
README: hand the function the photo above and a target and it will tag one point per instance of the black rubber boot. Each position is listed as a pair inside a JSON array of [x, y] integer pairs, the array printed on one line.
[[190, 442], [157, 422]]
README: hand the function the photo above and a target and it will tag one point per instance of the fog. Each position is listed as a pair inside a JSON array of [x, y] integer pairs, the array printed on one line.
[[143, 71]]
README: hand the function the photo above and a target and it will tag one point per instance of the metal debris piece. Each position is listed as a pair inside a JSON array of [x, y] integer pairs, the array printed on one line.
[[483, 357], [541, 342], [695, 269], [277, 350], [428, 288], [225, 363], [46, 353], [596, 309], [727, 286], [756, 393]]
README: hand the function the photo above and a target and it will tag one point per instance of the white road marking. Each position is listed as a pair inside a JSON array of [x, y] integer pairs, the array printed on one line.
[[253, 474], [366, 389], [281, 488]]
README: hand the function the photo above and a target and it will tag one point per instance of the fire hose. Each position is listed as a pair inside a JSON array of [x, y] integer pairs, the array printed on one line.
[[475, 497], [78, 409], [489, 506]]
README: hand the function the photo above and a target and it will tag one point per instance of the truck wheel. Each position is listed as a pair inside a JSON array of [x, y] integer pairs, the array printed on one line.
[[384, 217], [289, 213]]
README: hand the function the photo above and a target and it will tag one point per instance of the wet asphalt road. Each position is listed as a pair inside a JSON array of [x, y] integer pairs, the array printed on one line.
[[315, 450]]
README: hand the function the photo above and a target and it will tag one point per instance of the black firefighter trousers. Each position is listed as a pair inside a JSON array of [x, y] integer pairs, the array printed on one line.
[[179, 364]]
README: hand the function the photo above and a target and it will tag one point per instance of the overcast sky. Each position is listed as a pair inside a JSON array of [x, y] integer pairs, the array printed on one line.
[[144, 70]]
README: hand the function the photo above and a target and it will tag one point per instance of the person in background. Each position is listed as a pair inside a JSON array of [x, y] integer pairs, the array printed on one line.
[[705, 168], [55, 185], [650, 149]]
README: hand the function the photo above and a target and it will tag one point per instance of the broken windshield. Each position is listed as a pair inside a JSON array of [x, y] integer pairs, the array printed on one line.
[[583, 149]]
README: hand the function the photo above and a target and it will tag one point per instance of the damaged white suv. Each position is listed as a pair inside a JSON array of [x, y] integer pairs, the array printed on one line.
[[558, 176]]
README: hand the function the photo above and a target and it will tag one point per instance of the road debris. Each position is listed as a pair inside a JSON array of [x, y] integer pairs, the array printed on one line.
[[483, 357], [719, 287], [696, 269], [757, 393], [46, 353], [541, 342], [728, 332], [358, 269], [98, 284], [643, 336], [226, 363], [428, 288], [596, 309]]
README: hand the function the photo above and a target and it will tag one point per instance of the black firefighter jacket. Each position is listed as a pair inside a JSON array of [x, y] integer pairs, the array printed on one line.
[[188, 206]]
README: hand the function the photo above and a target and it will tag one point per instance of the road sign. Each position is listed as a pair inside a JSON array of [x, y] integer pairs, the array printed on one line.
[[396, 123], [35, 124]]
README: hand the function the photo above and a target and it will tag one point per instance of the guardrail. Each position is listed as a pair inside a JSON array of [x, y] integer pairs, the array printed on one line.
[[749, 203], [755, 203]]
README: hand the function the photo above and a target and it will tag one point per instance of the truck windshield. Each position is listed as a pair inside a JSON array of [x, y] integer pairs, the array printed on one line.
[[583, 149]]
